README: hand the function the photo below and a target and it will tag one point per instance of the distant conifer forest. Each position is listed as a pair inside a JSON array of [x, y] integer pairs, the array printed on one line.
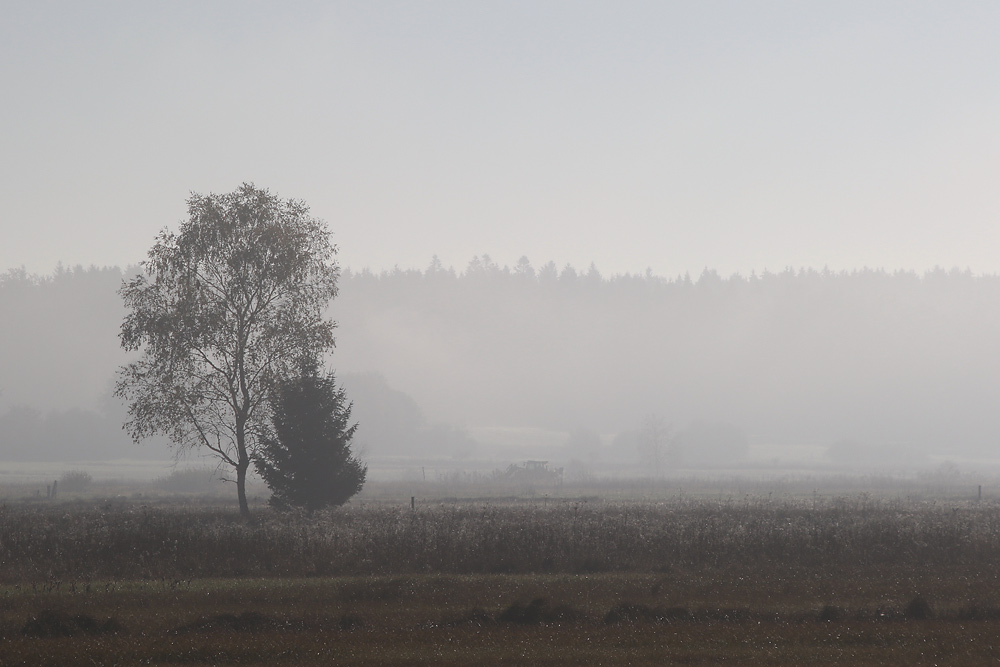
[[898, 362]]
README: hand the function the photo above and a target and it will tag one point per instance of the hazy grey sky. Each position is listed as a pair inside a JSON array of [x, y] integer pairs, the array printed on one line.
[[673, 135]]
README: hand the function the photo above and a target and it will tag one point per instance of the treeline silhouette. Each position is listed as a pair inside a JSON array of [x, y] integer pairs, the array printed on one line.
[[891, 362], [58, 355]]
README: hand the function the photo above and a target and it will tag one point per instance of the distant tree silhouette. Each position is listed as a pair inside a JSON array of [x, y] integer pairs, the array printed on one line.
[[892, 359], [524, 270], [655, 440], [393, 424], [390, 419], [307, 461]]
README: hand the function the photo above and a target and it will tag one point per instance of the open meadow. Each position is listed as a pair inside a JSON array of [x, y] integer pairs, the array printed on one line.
[[751, 578]]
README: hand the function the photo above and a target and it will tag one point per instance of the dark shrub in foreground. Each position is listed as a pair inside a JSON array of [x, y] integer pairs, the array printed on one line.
[[51, 623]]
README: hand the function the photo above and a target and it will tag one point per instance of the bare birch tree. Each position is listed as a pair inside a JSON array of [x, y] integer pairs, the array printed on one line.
[[222, 310]]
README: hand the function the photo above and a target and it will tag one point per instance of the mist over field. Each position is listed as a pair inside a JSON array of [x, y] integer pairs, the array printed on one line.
[[489, 364], [724, 390], [744, 138]]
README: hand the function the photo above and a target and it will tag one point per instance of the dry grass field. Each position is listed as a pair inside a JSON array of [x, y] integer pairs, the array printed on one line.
[[849, 580]]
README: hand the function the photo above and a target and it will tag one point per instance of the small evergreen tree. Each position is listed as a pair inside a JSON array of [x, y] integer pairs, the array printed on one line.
[[306, 460]]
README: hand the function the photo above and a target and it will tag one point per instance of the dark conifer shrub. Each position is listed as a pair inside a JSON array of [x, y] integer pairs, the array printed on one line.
[[306, 460]]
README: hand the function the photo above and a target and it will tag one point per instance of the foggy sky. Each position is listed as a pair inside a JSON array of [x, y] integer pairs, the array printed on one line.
[[737, 136]]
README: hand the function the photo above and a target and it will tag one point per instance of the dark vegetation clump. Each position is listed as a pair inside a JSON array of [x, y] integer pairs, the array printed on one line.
[[189, 480], [883, 613], [538, 611], [979, 612], [593, 565], [50, 623], [75, 481], [629, 612], [918, 609], [830, 613], [350, 622], [476, 617], [724, 615], [248, 621]]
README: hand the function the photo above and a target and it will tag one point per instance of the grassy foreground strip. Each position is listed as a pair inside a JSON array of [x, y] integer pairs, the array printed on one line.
[[80, 543], [847, 581], [695, 617]]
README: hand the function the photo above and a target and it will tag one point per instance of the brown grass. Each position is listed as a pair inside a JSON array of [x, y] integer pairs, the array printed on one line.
[[856, 581], [509, 619], [48, 544]]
